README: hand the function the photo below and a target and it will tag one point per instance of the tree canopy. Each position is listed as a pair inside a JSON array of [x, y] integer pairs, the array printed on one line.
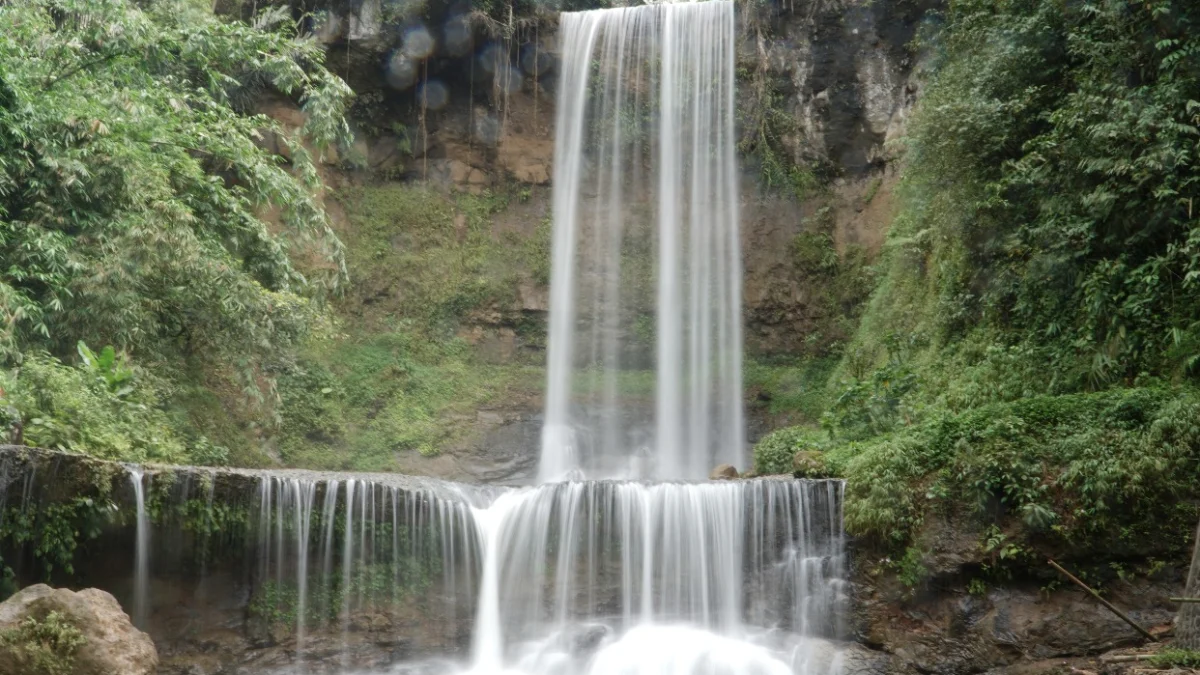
[[134, 193], [140, 209]]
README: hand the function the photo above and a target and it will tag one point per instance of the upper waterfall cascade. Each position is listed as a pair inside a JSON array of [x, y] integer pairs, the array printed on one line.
[[645, 184]]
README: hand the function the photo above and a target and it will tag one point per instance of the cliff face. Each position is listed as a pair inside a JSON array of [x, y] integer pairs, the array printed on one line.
[[457, 108], [831, 78]]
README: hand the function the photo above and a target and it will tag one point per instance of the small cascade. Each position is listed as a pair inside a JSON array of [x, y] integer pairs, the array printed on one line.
[[371, 548], [141, 566], [626, 563], [366, 574]]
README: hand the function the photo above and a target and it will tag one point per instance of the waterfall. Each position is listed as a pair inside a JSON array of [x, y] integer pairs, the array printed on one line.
[[698, 570], [565, 577], [645, 183], [141, 565], [368, 574], [607, 576]]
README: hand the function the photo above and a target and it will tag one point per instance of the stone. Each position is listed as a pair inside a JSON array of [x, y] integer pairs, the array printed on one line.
[[459, 171], [723, 472], [112, 644], [810, 464], [527, 159]]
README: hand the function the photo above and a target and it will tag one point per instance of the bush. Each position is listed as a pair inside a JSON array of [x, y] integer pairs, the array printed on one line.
[[1176, 658], [102, 407], [1102, 472], [44, 646], [775, 453]]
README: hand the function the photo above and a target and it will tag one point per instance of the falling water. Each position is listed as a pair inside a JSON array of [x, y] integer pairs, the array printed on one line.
[[141, 566], [600, 577], [571, 577], [620, 564], [645, 183]]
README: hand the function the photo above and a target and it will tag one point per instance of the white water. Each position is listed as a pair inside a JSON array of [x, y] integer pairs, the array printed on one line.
[[700, 571], [141, 569], [645, 182], [564, 578]]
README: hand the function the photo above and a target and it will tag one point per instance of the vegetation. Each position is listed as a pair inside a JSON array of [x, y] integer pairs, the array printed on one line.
[[1176, 658], [1029, 352], [44, 646], [1025, 353], [133, 203], [1048, 217], [1105, 472], [398, 379]]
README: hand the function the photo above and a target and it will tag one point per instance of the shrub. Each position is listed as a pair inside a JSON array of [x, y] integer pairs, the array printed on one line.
[[102, 407], [774, 454], [1101, 472], [1176, 658], [43, 646]]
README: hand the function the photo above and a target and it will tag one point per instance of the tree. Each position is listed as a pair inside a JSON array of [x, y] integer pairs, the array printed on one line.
[[133, 192]]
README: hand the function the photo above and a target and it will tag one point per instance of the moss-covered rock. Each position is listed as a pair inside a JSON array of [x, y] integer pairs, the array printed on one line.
[[47, 631], [810, 464]]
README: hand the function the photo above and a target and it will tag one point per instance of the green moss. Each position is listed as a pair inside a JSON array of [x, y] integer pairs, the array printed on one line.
[[910, 568], [872, 190], [792, 387], [538, 252], [423, 264], [357, 404], [432, 258]]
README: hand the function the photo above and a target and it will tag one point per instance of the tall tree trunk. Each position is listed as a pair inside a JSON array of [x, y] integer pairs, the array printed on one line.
[[1187, 626]]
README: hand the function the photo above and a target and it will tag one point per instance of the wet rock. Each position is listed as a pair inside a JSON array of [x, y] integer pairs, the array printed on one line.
[[858, 660], [723, 472], [112, 644], [944, 629], [526, 158]]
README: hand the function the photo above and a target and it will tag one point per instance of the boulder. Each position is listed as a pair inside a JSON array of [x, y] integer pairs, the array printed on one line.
[[723, 472], [112, 644]]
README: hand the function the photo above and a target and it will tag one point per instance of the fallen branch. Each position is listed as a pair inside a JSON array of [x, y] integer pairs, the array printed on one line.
[[1124, 617]]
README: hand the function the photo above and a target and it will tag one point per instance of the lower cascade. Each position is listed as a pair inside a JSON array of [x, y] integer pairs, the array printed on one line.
[[598, 577], [302, 573]]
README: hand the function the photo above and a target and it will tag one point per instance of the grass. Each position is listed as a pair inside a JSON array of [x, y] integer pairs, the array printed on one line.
[[795, 386], [354, 405]]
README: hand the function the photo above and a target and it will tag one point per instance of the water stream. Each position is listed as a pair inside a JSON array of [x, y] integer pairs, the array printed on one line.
[[571, 577]]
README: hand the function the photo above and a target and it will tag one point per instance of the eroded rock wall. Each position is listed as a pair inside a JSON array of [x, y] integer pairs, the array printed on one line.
[[835, 75]]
